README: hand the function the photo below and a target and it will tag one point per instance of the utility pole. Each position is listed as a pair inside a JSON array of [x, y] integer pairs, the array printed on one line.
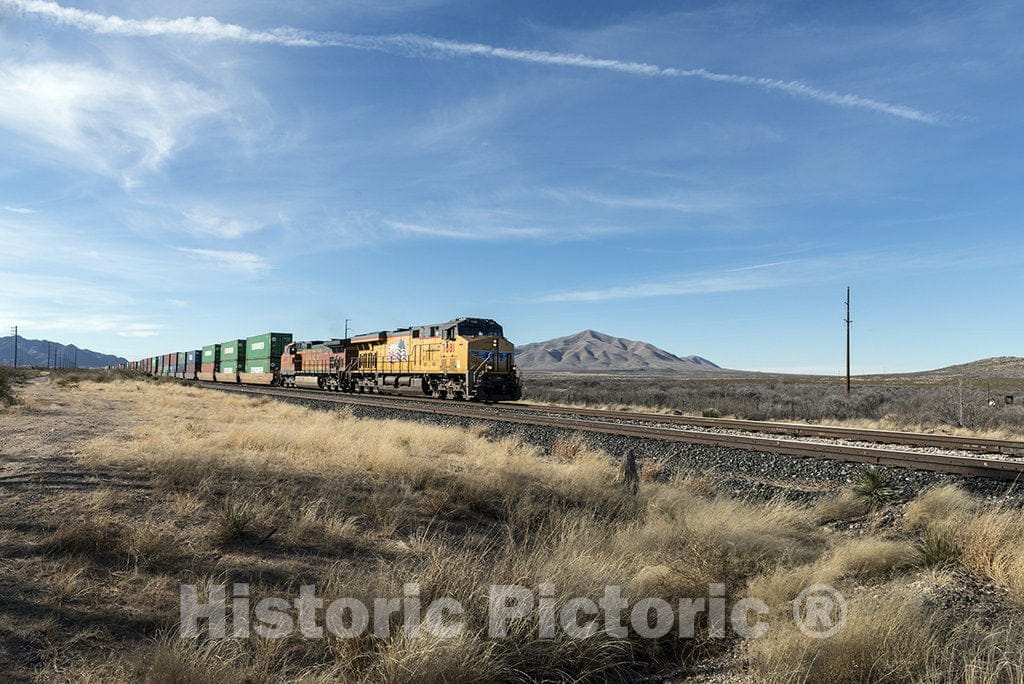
[[848, 321], [346, 327], [48, 355], [14, 331]]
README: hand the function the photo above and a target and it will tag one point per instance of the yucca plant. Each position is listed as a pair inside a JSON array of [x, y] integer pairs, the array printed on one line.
[[938, 549], [237, 516], [874, 485]]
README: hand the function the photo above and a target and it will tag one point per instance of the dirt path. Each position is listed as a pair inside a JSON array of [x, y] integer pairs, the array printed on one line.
[[42, 484], [40, 439]]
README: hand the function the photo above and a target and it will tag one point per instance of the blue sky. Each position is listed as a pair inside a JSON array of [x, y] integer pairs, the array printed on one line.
[[707, 177]]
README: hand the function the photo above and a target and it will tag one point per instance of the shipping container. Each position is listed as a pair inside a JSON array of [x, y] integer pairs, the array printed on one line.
[[267, 346], [232, 350], [262, 365], [228, 372], [181, 359], [211, 354], [193, 361], [208, 368]]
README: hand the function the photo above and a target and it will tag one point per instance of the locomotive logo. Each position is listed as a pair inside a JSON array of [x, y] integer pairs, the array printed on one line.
[[397, 352]]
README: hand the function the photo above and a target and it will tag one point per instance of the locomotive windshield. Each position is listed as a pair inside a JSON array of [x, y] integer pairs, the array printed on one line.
[[479, 329]]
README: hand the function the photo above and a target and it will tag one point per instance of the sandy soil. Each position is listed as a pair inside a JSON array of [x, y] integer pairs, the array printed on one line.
[[42, 482]]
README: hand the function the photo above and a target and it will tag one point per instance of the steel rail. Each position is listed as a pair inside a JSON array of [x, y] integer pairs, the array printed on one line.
[[960, 465], [917, 439], [952, 442]]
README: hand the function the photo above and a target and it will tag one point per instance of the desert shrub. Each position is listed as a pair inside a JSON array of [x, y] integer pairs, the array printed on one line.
[[961, 406], [6, 389], [71, 378], [814, 399], [711, 413]]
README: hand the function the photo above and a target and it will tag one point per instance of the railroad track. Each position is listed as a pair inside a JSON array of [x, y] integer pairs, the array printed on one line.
[[628, 424], [917, 439]]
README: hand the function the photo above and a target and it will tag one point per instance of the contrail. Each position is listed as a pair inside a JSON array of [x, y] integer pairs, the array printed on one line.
[[212, 29]]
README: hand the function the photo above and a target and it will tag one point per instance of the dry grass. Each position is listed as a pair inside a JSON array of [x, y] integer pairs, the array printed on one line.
[[863, 560], [987, 540], [227, 489], [846, 505], [447, 508], [886, 638]]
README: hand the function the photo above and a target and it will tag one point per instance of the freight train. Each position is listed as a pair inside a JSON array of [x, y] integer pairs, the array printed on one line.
[[463, 359]]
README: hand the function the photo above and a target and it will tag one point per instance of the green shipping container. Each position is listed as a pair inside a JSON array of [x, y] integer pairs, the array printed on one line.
[[228, 367], [232, 350], [181, 361], [211, 354], [262, 365], [267, 346]]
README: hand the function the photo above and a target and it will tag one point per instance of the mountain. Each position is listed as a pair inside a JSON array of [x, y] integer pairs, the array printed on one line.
[[33, 353], [591, 351], [996, 367]]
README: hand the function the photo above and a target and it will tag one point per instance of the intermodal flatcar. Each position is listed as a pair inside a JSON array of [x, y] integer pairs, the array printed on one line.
[[463, 359]]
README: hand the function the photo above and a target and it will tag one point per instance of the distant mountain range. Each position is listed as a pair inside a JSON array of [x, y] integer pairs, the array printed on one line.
[[592, 351], [33, 353], [995, 367]]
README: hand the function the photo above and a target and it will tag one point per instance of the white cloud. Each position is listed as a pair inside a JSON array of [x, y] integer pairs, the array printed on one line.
[[245, 262], [19, 210], [47, 322], [203, 28], [113, 123], [753, 278], [690, 203], [211, 29], [213, 224], [138, 330], [850, 266], [480, 233], [40, 290]]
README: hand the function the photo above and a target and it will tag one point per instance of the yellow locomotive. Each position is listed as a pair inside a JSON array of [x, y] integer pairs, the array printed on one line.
[[465, 358]]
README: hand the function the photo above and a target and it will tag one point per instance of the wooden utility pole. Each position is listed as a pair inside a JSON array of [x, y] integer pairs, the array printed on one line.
[[848, 321]]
